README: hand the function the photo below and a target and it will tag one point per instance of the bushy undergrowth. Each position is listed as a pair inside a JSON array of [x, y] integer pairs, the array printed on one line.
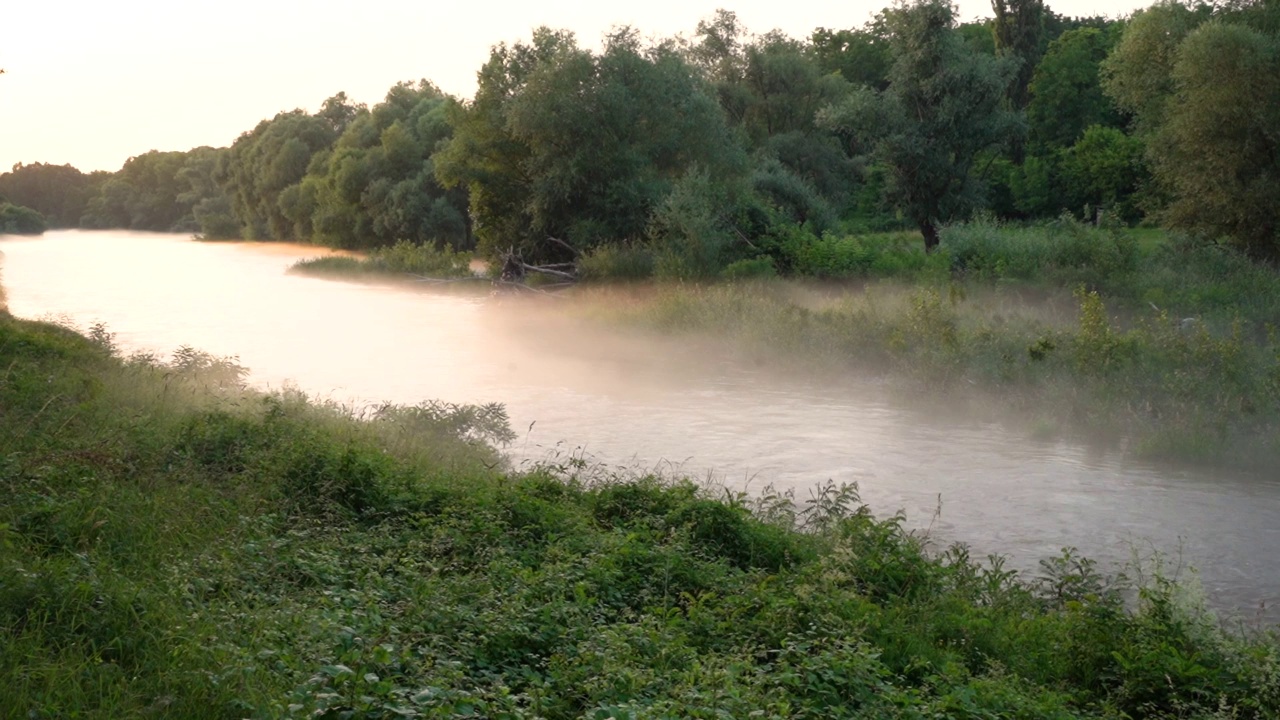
[[1062, 253], [175, 547], [617, 262], [842, 256], [19, 220], [403, 258]]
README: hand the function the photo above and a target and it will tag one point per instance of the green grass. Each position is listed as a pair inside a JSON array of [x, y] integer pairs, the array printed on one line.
[[172, 545], [401, 259]]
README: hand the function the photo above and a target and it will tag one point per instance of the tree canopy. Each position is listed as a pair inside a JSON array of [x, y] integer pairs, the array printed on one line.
[[941, 110], [714, 147]]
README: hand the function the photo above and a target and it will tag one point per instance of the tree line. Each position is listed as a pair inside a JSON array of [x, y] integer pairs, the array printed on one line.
[[709, 148]]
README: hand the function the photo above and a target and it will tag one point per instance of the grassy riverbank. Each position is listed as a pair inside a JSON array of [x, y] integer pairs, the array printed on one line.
[[1166, 346], [395, 262], [173, 545]]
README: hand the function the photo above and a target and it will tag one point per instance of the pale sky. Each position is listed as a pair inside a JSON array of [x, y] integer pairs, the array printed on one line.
[[93, 83]]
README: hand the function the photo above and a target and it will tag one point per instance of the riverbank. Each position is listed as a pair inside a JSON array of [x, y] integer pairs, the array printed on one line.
[[173, 544], [1162, 348], [401, 261]]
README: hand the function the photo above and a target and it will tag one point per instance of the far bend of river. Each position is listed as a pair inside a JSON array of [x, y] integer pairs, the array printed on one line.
[[354, 343]]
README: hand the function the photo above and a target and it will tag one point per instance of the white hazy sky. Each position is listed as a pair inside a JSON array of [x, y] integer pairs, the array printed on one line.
[[93, 83]]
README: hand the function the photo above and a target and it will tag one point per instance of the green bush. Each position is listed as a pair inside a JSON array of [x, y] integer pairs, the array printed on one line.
[[1065, 252], [403, 258], [176, 549], [895, 254], [617, 262], [19, 220], [761, 267]]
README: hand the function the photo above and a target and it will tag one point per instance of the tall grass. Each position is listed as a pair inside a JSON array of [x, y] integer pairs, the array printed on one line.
[[403, 258], [1060, 361], [172, 545]]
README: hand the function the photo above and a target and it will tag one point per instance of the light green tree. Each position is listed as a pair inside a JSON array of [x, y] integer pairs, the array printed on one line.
[[1205, 94], [1219, 149]]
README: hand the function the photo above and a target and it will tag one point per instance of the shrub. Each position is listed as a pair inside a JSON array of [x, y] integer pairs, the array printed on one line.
[[837, 257], [761, 267], [1063, 252], [616, 262], [20, 220]]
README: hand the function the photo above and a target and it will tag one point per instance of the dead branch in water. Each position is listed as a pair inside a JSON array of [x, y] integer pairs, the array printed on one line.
[[514, 271]]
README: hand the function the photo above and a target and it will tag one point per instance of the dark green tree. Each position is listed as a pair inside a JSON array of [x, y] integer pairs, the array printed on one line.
[[1018, 30], [142, 195], [566, 144], [207, 209], [58, 192], [861, 56], [378, 185], [943, 109], [20, 220], [1103, 171], [263, 163], [1066, 90]]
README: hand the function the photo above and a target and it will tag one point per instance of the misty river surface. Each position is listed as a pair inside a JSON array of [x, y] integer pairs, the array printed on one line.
[[649, 403]]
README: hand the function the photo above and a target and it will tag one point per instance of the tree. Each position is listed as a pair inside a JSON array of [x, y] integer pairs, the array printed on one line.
[[58, 192], [1066, 90], [1018, 29], [20, 220], [560, 142], [1103, 170], [378, 185], [1138, 73], [263, 163], [942, 108], [142, 195], [862, 57], [1204, 91], [1219, 149]]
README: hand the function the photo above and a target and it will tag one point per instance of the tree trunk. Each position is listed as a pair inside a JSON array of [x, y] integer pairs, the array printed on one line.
[[930, 232]]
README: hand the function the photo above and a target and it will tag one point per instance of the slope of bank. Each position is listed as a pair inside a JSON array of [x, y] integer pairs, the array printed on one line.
[[174, 545]]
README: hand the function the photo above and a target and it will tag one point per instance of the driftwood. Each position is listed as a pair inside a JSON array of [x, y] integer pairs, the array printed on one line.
[[515, 270]]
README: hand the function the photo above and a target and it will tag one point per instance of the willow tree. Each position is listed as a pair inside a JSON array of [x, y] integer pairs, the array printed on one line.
[[564, 143], [943, 108]]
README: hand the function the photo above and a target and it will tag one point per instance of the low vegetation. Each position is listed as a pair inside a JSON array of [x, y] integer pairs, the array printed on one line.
[[1169, 347], [174, 545], [401, 259]]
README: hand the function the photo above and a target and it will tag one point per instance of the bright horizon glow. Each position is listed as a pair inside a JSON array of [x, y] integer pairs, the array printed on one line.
[[93, 84]]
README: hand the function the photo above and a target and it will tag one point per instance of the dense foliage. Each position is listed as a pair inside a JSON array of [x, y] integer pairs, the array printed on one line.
[[20, 220], [703, 150], [58, 192], [172, 545]]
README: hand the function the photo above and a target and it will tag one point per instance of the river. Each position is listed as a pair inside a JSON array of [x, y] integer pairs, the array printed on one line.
[[655, 403]]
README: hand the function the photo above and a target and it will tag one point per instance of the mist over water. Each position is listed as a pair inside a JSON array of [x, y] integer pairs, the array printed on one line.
[[623, 399]]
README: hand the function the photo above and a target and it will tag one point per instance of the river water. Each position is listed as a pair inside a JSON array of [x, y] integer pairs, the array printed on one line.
[[649, 403]]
